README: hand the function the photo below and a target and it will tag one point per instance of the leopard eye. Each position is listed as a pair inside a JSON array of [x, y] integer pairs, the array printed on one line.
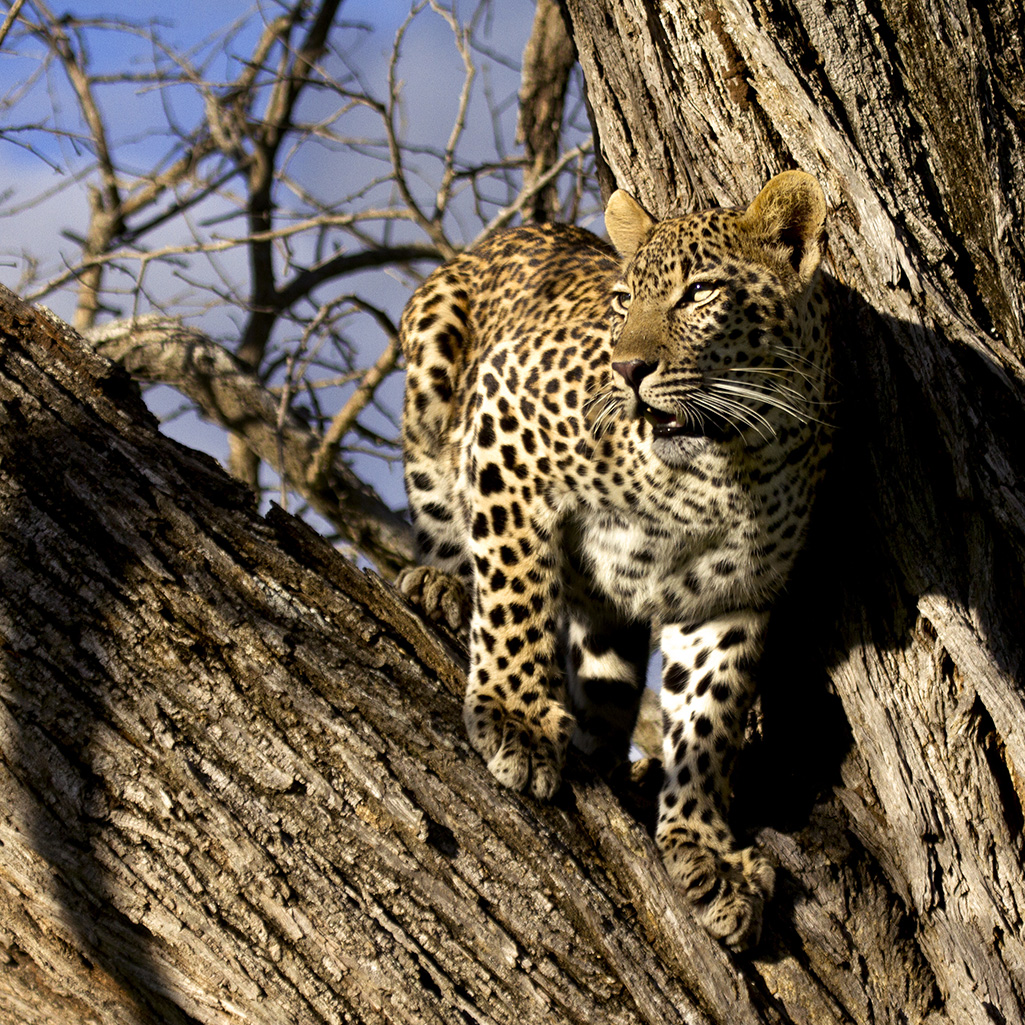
[[698, 293], [621, 298]]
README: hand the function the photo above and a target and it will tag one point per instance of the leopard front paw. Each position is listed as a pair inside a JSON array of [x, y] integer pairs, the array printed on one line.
[[441, 595], [728, 891], [525, 748]]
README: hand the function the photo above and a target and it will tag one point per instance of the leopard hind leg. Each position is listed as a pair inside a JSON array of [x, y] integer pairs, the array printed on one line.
[[434, 336], [607, 660]]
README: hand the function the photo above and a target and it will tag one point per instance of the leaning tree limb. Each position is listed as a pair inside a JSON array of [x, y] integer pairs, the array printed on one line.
[[235, 784], [548, 61], [162, 350]]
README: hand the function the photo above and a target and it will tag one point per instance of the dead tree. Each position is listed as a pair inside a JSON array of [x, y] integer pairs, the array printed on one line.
[[911, 118], [235, 784]]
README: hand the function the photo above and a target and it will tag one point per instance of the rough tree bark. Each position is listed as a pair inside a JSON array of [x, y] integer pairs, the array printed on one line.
[[910, 115], [233, 781]]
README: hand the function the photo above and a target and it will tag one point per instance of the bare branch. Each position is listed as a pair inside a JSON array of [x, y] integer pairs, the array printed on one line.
[[390, 112], [358, 401], [106, 215], [277, 121], [349, 263], [460, 34], [161, 350], [547, 61], [530, 192], [9, 20]]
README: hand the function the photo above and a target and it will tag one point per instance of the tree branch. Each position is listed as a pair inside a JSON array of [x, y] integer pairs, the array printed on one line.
[[161, 350], [342, 264], [106, 216], [547, 62], [9, 18], [327, 454], [273, 127]]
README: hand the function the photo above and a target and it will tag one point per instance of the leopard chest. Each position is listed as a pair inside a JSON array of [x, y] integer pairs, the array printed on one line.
[[687, 551]]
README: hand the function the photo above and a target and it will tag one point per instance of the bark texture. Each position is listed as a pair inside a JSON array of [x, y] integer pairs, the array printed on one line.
[[910, 115]]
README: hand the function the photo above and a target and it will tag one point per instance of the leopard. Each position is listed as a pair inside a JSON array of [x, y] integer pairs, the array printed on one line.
[[611, 442]]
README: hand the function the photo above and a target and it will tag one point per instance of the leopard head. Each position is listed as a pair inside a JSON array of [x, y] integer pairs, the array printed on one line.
[[710, 320]]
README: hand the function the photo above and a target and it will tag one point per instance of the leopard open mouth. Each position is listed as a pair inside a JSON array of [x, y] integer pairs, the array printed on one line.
[[695, 425]]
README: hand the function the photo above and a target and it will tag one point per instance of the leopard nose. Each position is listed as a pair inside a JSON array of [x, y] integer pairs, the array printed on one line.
[[634, 371]]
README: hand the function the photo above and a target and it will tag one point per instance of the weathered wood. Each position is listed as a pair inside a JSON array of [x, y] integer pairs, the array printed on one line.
[[548, 61], [910, 116]]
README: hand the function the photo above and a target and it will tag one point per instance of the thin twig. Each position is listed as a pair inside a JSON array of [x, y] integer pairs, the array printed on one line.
[[504, 216], [12, 15], [346, 417], [458, 126]]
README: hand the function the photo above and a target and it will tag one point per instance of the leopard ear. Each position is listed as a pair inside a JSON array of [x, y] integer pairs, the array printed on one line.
[[790, 213], [627, 223]]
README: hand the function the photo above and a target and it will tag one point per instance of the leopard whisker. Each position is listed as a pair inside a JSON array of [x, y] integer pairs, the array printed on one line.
[[609, 405], [771, 397], [795, 360], [767, 397], [732, 411], [785, 400], [776, 376], [784, 371], [685, 414]]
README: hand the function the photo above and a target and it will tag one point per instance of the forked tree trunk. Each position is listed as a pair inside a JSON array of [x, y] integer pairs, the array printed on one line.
[[911, 595], [234, 786]]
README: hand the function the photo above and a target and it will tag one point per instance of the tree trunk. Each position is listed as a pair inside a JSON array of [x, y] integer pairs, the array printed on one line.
[[548, 61], [911, 594], [234, 783]]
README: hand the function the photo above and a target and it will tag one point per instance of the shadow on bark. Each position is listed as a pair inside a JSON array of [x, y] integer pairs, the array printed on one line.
[[895, 782], [68, 580]]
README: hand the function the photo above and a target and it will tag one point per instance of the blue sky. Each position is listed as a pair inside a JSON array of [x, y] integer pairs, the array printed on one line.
[[432, 74]]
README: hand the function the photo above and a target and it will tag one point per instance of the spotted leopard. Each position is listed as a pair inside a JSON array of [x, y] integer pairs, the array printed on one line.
[[600, 442]]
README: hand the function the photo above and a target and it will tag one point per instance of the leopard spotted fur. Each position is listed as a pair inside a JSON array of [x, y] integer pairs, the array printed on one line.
[[599, 444]]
